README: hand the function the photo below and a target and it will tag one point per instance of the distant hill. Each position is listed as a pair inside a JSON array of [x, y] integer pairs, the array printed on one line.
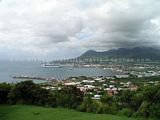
[[134, 53]]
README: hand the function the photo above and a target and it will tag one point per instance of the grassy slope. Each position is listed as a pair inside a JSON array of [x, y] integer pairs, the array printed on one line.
[[21, 112]]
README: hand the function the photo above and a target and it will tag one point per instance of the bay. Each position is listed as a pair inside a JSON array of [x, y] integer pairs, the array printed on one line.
[[8, 69]]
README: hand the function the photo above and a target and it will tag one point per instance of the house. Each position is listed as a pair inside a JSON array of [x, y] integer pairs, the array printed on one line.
[[72, 83], [89, 86], [96, 97], [98, 79], [122, 76], [133, 87], [111, 91]]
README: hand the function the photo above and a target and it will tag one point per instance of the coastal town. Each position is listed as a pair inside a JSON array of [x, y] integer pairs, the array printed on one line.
[[96, 86], [127, 77]]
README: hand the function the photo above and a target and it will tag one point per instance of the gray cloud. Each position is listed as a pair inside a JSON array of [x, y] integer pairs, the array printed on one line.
[[126, 25], [62, 28]]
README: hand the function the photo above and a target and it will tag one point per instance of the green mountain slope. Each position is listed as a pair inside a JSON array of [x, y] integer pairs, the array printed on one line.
[[135, 53]]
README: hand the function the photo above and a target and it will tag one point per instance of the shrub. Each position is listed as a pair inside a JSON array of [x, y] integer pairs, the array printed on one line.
[[126, 112]]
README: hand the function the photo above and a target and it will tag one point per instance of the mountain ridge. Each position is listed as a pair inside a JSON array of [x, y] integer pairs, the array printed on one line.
[[136, 52]]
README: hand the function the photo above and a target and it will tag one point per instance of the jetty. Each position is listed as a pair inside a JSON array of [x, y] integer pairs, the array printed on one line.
[[34, 78]]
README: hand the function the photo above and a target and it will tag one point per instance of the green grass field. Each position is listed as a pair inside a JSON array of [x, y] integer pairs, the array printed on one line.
[[22, 112]]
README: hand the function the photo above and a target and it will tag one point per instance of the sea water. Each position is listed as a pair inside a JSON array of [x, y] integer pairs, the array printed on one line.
[[8, 69]]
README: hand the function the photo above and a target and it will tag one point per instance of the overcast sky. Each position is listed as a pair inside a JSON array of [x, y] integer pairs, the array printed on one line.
[[53, 29]]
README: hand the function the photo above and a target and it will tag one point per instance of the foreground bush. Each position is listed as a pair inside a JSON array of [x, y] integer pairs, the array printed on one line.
[[4, 91], [141, 103]]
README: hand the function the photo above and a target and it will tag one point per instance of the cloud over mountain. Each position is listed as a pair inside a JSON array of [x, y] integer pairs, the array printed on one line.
[[66, 28]]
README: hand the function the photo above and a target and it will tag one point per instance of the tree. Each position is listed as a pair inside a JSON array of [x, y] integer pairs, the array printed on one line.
[[4, 91], [70, 97], [22, 93]]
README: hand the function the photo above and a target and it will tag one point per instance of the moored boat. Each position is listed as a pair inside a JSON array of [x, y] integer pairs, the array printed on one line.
[[50, 65]]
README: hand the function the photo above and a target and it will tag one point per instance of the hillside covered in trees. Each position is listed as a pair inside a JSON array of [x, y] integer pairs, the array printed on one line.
[[134, 53], [141, 103]]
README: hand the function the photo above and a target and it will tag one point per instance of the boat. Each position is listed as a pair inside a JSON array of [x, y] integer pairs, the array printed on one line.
[[46, 65], [71, 68]]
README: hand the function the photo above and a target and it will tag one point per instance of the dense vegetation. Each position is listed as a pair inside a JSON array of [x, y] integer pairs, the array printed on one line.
[[141, 103], [26, 112]]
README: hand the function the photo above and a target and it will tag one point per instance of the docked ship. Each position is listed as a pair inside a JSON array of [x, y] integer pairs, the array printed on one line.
[[46, 65]]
